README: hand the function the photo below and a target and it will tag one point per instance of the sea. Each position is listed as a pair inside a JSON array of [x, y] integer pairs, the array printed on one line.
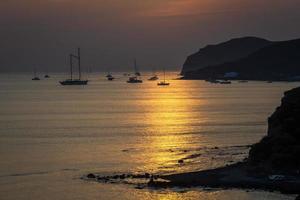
[[51, 136]]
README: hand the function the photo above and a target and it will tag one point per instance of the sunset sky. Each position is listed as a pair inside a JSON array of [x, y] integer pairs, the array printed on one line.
[[111, 33]]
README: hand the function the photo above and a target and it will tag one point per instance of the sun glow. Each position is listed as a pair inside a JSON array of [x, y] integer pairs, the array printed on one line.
[[167, 116], [181, 8]]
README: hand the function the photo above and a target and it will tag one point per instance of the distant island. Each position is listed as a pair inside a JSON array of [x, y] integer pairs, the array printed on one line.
[[248, 58]]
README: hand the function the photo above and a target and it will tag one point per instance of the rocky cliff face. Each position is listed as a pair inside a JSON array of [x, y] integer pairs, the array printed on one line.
[[279, 61], [232, 50], [280, 149]]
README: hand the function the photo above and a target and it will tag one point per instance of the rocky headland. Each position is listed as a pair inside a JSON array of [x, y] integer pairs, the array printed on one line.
[[273, 163], [217, 54], [276, 61]]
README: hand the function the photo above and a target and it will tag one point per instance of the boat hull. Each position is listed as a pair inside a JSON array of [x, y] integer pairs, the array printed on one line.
[[163, 84], [137, 81], [225, 82], [134, 80], [74, 82], [153, 78]]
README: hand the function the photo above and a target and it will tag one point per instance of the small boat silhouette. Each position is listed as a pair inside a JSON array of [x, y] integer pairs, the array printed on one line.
[[72, 81], [35, 78], [225, 82], [153, 78], [110, 77], [137, 73], [163, 83], [134, 79]]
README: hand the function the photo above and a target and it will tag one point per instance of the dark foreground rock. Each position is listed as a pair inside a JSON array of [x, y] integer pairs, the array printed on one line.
[[279, 151], [233, 176], [273, 163]]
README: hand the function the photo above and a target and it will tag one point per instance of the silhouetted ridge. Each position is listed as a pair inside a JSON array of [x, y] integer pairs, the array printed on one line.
[[278, 61], [231, 50]]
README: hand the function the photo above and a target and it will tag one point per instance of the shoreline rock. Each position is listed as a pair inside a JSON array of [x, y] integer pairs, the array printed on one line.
[[273, 163], [234, 176]]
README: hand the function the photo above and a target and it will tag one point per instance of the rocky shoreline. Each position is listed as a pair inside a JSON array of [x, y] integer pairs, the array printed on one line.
[[238, 175], [273, 163], [234, 176]]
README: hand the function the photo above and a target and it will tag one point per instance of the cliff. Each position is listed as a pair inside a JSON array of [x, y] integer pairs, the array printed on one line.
[[273, 163], [279, 61], [280, 149], [232, 50]]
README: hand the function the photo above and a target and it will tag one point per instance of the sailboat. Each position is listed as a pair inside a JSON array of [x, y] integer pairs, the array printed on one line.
[[72, 81], [35, 78], [109, 77], [163, 83], [137, 73], [135, 79], [46, 75], [154, 77]]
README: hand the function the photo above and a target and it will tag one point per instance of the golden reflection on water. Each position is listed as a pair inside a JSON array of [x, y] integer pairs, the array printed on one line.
[[168, 114], [169, 109]]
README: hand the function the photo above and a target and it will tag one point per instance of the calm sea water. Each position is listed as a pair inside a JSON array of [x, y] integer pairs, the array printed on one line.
[[52, 135]]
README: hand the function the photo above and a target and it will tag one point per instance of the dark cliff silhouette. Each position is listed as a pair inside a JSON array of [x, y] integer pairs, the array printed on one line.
[[225, 52], [273, 163], [279, 61], [280, 149]]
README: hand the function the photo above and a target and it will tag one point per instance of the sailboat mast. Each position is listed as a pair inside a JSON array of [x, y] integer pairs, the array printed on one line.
[[79, 70], [164, 75], [135, 67], [71, 66], [34, 71]]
